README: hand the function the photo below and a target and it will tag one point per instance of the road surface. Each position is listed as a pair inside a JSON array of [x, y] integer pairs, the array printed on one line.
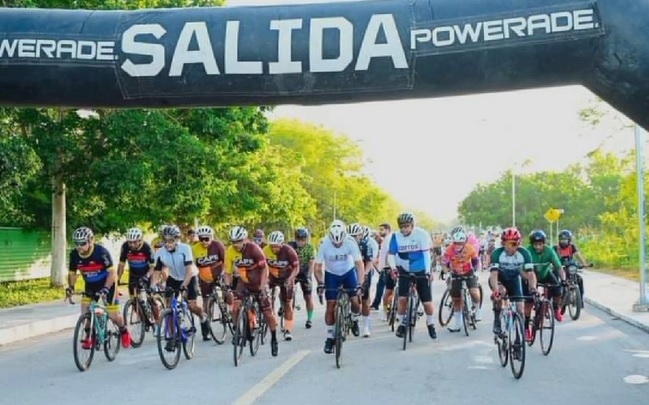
[[596, 360]]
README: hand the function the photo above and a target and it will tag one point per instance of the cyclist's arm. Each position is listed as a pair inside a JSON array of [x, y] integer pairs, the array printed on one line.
[[294, 261], [189, 267], [393, 249], [72, 270], [122, 261], [358, 261], [556, 264], [318, 267], [581, 257], [528, 268]]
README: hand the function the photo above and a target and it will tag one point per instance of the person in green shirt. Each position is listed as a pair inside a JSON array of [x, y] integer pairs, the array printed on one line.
[[306, 253], [549, 270]]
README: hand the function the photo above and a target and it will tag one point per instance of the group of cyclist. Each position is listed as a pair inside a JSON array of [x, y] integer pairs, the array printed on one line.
[[346, 258]]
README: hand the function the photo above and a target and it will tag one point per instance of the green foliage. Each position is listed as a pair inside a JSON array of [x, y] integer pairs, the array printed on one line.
[[599, 199]]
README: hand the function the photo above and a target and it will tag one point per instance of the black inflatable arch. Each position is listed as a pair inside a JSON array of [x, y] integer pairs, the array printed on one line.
[[324, 53]]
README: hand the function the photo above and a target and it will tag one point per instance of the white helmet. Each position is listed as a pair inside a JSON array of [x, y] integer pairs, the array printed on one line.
[[83, 234], [354, 229], [337, 232], [238, 233], [459, 237], [134, 235], [276, 238], [205, 231]]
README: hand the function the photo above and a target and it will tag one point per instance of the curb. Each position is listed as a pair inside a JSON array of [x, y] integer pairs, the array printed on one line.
[[38, 328], [629, 320]]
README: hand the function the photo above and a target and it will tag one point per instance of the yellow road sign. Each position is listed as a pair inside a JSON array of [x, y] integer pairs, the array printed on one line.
[[553, 214]]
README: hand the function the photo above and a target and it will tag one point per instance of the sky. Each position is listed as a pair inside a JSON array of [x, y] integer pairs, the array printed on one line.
[[473, 139]]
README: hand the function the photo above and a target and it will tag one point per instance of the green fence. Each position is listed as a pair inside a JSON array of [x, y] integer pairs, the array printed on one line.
[[24, 254]]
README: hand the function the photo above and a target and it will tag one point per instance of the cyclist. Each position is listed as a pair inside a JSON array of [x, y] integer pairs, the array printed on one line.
[[380, 285], [306, 253], [192, 237], [260, 238], [140, 259], [208, 255], [507, 262], [339, 263], [95, 264], [566, 251], [409, 254], [246, 271], [369, 252], [177, 257], [543, 257], [284, 266], [158, 242], [461, 259]]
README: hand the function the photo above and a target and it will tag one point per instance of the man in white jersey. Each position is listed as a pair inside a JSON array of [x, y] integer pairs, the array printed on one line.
[[339, 263], [409, 254], [177, 257]]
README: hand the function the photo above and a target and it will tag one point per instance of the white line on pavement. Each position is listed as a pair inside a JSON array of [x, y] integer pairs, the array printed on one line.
[[271, 379]]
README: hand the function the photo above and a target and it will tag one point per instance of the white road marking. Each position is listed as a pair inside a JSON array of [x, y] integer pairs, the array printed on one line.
[[587, 338], [271, 379], [636, 379]]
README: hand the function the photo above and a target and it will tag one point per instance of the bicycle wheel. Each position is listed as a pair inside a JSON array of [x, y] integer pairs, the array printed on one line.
[[188, 330], [217, 321], [535, 323], [465, 316], [574, 302], [165, 335], [445, 304], [112, 339], [280, 315], [240, 335], [516, 337], [134, 322], [502, 342], [393, 311], [546, 327], [257, 334], [339, 331], [82, 357], [408, 314]]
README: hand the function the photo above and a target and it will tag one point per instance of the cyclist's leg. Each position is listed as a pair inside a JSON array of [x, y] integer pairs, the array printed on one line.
[[390, 284], [403, 290], [528, 304], [307, 293], [116, 315], [192, 296], [332, 282], [501, 288], [365, 302], [263, 295], [287, 295], [474, 290], [206, 292], [426, 298], [350, 282], [456, 295], [380, 289]]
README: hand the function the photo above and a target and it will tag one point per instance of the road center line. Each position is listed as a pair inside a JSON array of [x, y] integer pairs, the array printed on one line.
[[271, 379]]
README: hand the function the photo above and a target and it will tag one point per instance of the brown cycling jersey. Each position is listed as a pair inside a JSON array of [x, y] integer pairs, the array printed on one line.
[[281, 265], [251, 267]]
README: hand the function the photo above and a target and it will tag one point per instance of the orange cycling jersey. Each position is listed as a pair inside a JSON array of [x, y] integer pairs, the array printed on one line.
[[460, 260]]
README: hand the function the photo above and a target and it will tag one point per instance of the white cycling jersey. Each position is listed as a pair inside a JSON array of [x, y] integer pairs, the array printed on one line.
[[338, 260]]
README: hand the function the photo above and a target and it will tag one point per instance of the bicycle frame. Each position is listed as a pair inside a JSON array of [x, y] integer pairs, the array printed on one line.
[[177, 307]]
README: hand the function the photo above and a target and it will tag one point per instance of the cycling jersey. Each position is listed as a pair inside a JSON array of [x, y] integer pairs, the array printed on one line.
[[338, 260], [510, 266], [565, 254], [412, 252], [281, 264], [206, 258], [175, 261], [139, 260], [543, 261], [461, 262], [248, 264], [369, 249], [305, 253], [94, 267]]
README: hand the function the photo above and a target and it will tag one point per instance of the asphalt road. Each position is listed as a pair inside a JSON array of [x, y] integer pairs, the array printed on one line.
[[595, 360]]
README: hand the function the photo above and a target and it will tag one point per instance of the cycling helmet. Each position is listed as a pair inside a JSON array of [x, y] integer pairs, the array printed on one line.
[[337, 232], [511, 234], [134, 235], [458, 229], [459, 237], [276, 238], [406, 218], [537, 235], [238, 233], [301, 233], [171, 231], [354, 229], [83, 234], [205, 231], [366, 232], [162, 229], [565, 238]]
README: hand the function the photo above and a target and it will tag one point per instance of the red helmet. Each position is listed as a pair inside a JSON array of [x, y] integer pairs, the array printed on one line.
[[511, 234]]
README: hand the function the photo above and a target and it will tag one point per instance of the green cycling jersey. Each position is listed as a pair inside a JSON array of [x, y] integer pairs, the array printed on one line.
[[542, 261]]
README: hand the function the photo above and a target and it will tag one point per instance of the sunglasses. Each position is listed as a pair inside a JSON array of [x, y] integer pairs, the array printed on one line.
[[80, 243], [169, 240], [511, 243], [204, 238]]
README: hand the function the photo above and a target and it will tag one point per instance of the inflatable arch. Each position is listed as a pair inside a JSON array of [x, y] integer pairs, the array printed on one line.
[[324, 53]]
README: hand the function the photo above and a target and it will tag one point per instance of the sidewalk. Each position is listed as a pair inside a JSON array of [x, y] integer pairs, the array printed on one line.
[[615, 296], [610, 294]]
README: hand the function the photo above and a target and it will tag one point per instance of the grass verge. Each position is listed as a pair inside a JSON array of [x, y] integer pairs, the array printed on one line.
[[628, 273]]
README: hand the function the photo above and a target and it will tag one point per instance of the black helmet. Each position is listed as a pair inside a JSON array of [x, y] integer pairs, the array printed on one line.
[[301, 233], [565, 235], [537, 235]]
